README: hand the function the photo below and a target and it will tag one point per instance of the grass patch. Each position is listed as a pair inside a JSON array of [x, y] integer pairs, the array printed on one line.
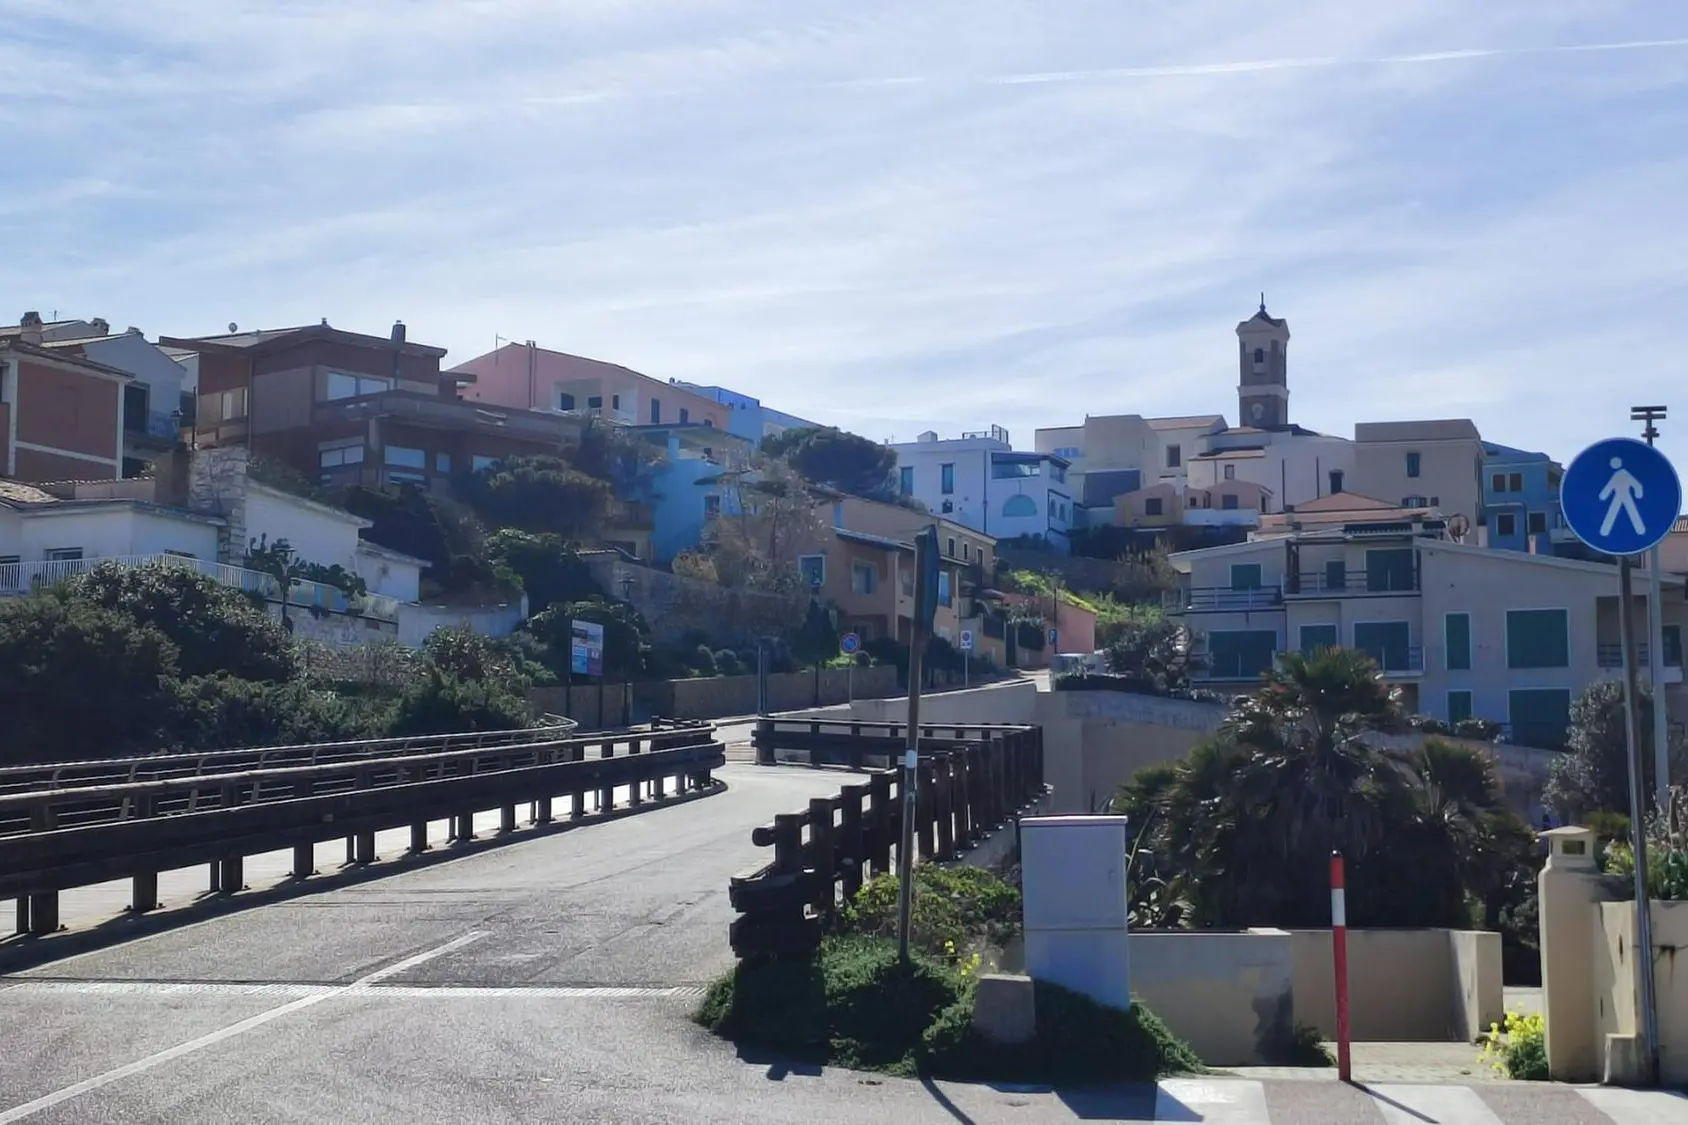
[[852, 1004], [953, 908]]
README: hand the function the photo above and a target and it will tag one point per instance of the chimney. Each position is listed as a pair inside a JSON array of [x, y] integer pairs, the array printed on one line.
[[398, 331], [398, 351], [102, 327], [133, 331], [30, 322]]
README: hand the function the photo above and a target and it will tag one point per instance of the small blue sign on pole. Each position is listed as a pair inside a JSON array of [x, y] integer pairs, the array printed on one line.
[[1621, 496], [849, 644]]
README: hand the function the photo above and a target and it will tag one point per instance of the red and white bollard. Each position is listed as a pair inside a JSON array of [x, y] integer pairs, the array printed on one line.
[[1339, 957]]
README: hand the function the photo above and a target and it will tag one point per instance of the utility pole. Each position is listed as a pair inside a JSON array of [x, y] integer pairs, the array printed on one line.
[[925, 606], [1647, 1001], [1647, 415]]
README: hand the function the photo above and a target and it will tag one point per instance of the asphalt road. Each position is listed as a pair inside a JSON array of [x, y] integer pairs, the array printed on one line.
[[549, 979]]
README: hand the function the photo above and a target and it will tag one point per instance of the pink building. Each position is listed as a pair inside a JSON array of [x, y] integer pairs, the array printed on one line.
[[529, 377]]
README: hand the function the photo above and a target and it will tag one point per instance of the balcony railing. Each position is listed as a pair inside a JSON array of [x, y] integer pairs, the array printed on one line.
[[1347, 582], [1612, 656], [22, 578], [1200, 599]]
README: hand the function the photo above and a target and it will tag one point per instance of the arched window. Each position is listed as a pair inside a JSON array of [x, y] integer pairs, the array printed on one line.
[[1020, 505], [1260, 355]]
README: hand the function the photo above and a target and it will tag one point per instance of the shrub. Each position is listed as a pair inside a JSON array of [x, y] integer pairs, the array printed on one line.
[[704, 661], [1517, 1048], [953, 909], [727, 663]]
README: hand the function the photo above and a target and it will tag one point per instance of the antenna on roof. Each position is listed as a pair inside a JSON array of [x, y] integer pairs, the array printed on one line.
[[1263, 300]]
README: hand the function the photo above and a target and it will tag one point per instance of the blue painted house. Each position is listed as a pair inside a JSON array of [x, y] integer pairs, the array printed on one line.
[[1521, 502], [683, 488], [747, 417]]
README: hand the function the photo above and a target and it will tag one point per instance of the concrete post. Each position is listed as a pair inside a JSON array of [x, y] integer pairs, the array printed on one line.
[[542, 813], [22, 926], [44, 913], [231, 877], [143, 895], [577, 805], [419, 837], [304, 861], [365, 849], [506, 820], [1568, 888]]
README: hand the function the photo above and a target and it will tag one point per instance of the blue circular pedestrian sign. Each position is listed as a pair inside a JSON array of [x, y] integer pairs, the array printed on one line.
[[849, 644], [1621, 496]]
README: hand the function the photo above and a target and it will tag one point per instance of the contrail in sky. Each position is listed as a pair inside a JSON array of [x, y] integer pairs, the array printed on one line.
[[1177, 70]]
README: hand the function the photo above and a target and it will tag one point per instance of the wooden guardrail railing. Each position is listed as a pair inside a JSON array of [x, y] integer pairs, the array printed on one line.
[[972, 780], [58, 838]]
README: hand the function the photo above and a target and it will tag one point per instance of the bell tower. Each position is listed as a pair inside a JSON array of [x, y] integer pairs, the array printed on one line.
[[1263, 386]]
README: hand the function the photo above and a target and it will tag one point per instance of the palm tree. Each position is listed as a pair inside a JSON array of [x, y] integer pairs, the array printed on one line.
[[1462, 807]]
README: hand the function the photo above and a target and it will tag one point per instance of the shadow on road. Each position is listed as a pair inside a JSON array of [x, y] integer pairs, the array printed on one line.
[[22, 952]]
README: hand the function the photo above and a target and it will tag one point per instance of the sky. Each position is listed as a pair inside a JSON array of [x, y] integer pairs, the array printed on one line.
[[892, 216]]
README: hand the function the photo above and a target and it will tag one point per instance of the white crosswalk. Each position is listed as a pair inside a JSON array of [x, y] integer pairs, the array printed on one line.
[[1233, 1101]]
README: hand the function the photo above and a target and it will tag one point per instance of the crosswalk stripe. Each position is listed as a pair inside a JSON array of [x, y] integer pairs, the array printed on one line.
[[1637, 1107], [1213, 1101], [1445, 1105]]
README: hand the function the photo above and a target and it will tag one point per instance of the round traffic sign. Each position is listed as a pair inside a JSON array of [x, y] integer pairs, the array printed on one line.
[[849, 644], [1620, 496]]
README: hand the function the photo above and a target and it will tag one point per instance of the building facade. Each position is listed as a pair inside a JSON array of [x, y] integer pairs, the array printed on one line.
[[1435, 463], [1521, 502], [61, 415], [1464, 631], [747, 416], [980, 482], [529, 377]]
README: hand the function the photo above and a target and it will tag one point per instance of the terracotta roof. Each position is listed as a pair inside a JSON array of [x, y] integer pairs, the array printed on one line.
[[37, 351], [1349, 502], [1185, 422]]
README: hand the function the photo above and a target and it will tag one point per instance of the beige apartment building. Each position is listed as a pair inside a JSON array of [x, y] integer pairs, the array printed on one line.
[[1465, 631], [1436, 463]]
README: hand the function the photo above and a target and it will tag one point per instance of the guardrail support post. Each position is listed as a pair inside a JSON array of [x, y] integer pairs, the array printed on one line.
[[232, 876], [506, 820], [22, 926], [143, 893], [923, 811], [577, 804], [764, 742], [365, 853], [879, 827], [821, 856], [419, 837], [944, 772], [464, 831], [304, 861], [44, 913], [851, 841], [214, 879], [606, 798], [658, 788], [542, 811]]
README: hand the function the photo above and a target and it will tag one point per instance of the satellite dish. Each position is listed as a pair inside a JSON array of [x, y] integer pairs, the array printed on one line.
[[233, 327], [1458, 526]]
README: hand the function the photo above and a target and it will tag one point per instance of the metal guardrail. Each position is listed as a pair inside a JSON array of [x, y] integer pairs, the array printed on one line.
[[969, 784], [65, 836]]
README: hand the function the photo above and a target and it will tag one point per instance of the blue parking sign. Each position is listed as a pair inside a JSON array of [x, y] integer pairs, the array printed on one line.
[[1621, 496]]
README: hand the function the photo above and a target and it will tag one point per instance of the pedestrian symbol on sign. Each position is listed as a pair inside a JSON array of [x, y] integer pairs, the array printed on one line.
[[1622, 491]]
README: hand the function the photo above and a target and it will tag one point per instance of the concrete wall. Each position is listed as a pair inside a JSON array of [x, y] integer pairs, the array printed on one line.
[[1403, 985], [109, 532], [417, 621], [585, 703], [713, 697], [1231, 996]]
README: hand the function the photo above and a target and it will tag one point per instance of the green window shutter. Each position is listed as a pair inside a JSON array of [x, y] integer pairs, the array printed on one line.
[[1538, 638], [1316, 637], [1336, 575], [1245, 576], [1459, 706], [1385, 642], [1539, 716], [1457, 630], [1389, 570], [1240, 654]]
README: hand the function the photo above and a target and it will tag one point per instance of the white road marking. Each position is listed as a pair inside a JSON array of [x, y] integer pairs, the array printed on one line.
[[1445, 1105], [1637, 1107], [1222, 1101], [140, 1066]]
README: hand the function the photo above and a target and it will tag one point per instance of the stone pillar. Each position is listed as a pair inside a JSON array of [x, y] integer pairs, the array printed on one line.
[[1569, 888]]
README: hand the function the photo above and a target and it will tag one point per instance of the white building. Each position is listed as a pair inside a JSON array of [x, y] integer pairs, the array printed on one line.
[[979, 481]]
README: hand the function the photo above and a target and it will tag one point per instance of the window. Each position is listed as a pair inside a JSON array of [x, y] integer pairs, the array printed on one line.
[[1152, 506], [615, 402], [1459, 706], [1240, 654], [1539, 716], [135, 407], [476, 464], [341, 385], [1336, 480], [685, 416], [1052, 507], [943, 587], [1390, 570], [1538, 523], [1506, 525], [1336, 575], [946, 478], [1673, 646], [442, 462], [949, 549], [1414, 502], [1412, 464], [334, 458], [967, 552], [595, 402], [404, 457], [838, 513], [908, 581], [1386, 642], [1497, 482], [813, 569], [711, 506], [1515, 482], [1245, 576], [1538, 638], [1019, 505], [232, 404], [1316, 637], [1456, 636], [1174, 456], [656, 411], [905, 480], [864, 578], [64, 554], [1230, 472], [1229, 501], [565, 401], [1260, 355], [1058, 473]]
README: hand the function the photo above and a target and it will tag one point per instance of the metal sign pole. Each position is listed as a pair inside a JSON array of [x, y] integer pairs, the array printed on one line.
[[1647, 415], [1637, 828], [924, 545]]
